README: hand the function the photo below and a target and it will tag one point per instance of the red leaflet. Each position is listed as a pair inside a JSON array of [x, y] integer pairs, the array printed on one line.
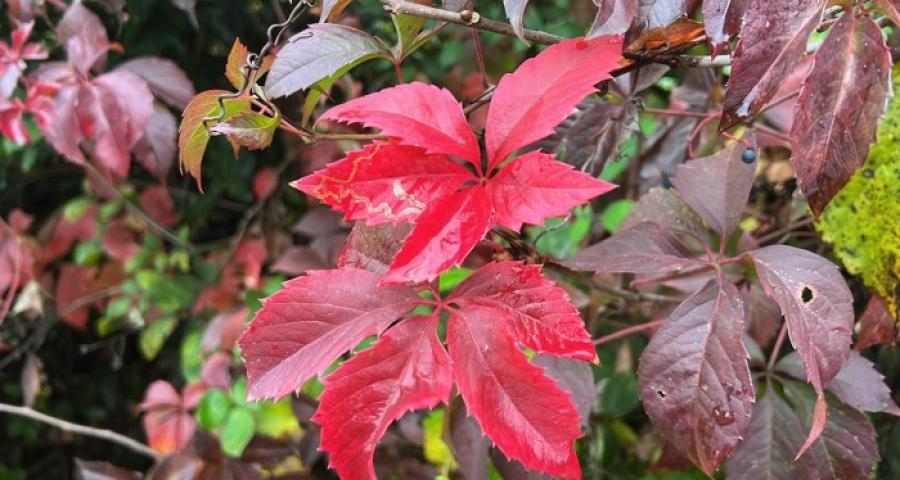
[[524, 413], [541, 93], [453, 209], [407, 369], [839, 107], [315, 319], [168, 421], [12, 58]]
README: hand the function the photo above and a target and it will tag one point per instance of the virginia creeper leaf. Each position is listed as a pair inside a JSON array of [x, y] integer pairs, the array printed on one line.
[[386, 182], [614, 17], [442, 237], [858, 384], [839, 106], [534, 186], [541, 316], [164, 77], [303, 328], [407, 369], [373, 248], [531, 101], [818, 308], [694, 378], [156, 150], [251, 130], [524, 413], [644, 248], [723, 19], [83, 35], [103, 471], [772, 41], [317, 53], [717, 187], [666, 208], [418, 114], [653, 14], [167, 422], [193, 134]]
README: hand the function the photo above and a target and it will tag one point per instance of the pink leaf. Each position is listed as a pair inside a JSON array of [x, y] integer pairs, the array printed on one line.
[[386, 182], [85, 39], [303, 328], [644, 248], [156, 202], [818, 308], [534, 187], [60, 121], [523, 412], [541, 317], [442, 237], [694, 378], [168, 423], [156, 150], [839, 107], [166, 80], [407, 369], [119, 240], [530, 102], [418, 114]]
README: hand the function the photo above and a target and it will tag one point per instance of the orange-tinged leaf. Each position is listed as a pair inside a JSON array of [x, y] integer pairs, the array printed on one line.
[[193, 134]]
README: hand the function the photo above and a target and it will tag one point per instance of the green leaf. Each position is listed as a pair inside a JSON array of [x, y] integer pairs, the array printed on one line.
[[88, 253], [193, 134], [451, 278], [615, 214], [214, 407], [237, 432], [620, 395], [76, 209], [408, 28], [437, 452], [250, 130], [276, 419], [155, 335], [191, 363]]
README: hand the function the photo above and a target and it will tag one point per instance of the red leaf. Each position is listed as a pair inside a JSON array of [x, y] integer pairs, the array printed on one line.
[[60, 119], [523, 412], [373, 248], [418, 114], [303, 328], [103, 471], [694, 379], [877, 325], [717, 187], [11, 124], [839, 107], [386, 182], [168, 423], [71, 286], [442, 237], [156, 150], [888, 8], [85, 39], [156, 202], [264, 183], [614, 17], [542, 92], [165, 78], [57, 238], [723, 19], [534, 187], [223, 330], [119, 240], [818, 309], [644, 248], [407, 369], [772, 41], [541, 317]]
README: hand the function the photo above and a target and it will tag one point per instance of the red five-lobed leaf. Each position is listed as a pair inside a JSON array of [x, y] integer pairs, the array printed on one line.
[[694, 378], [314, 320], [407, 369], [839, 106], [818, 308]]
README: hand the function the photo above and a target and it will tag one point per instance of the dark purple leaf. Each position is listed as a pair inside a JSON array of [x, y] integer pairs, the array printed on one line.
[[317, 53], [818, 308], [515, 10], [512, 469], [373, 248], [572, 376], [85, 470], [694, 379], [722, 19], [470, 446], [839, 107], [877, 325], [614, 17], [166, 80], [888, 8], [85, 39], [156, 150], [645, 248], [858, 384], [763, 315], [667, 209], [847, 448], [717, 187], [591, 136], [772, 41], [773, 437], [655, 14]]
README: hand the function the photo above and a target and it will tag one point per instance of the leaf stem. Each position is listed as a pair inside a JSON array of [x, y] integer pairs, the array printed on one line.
[[777, 348], [628, 331], [108, 435]]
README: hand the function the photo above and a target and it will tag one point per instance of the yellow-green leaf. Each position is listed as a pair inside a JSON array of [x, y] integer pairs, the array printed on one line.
[[194, 136]]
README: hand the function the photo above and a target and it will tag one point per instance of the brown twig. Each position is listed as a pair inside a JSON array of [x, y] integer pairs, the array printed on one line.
[[627, 295], [108, 435], [628, 331]]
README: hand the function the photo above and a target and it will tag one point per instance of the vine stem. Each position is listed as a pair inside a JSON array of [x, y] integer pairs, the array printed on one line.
[[108, 435], [628, 331], [782, 231], [627, 295], [777, 348]]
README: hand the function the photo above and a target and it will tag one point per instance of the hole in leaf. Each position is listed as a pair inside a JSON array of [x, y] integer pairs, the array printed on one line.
[[661, 393], [806, 295]]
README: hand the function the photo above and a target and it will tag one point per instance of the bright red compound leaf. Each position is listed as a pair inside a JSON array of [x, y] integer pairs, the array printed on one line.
[[818, 308], [525, 413], [407, 369], [839, 106], [694, 378], [314, 320]]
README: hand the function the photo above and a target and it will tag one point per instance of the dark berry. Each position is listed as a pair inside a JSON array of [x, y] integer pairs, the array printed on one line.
[[749, 156]]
